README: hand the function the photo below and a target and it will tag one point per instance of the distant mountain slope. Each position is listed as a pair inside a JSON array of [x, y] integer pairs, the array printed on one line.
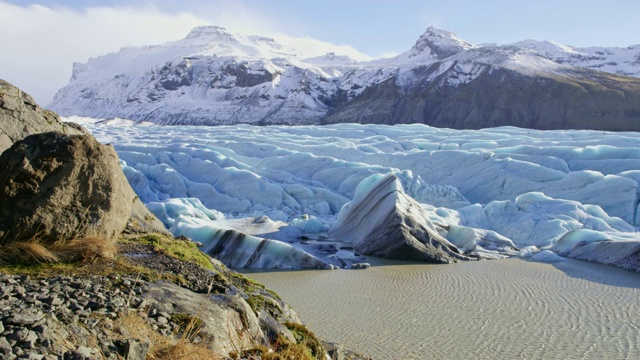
[[491, 87], [214, 77]]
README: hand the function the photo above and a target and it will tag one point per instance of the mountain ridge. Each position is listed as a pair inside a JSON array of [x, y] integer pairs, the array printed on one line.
[[214, 77]]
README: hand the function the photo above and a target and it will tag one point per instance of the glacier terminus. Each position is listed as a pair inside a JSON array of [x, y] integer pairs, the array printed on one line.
[[314, 197]]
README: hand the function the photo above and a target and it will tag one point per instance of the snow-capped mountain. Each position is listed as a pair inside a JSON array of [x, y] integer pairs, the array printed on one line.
[[210, 77], [216, 77]]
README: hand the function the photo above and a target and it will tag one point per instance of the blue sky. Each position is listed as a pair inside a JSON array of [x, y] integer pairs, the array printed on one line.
[[62, 32]]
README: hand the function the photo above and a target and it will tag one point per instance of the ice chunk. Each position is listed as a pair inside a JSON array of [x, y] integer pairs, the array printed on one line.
[[309, 224], [528, 251], [547, 256], [574, 238], [474, 216], [470, 239], [435, 195], [383, 221], [536, 219], [169, 210], [617, 249], [239, 250], [346, 255]]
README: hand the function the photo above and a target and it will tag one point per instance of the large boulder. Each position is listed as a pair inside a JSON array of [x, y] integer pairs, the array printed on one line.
[[20, 116], [57, 187], [229, 323], [383, 221]]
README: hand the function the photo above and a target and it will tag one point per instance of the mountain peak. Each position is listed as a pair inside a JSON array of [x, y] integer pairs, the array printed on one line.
[[215, 40], [439, 43], [209, 31]]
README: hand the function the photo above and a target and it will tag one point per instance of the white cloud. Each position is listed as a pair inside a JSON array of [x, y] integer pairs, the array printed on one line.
[[308, 47], [430, 18], [387, 54], [40, 44]]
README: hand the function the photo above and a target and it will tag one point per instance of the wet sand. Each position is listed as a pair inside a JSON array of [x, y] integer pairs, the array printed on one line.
[[504, 309]]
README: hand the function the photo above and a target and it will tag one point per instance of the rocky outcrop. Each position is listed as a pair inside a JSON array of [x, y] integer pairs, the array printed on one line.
[[247, 77], [20, 116], [219, 316], [172, 78], [383, 221], [109, 312], [59, 187]]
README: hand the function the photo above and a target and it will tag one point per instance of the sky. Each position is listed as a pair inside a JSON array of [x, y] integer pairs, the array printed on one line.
[[40, 40]]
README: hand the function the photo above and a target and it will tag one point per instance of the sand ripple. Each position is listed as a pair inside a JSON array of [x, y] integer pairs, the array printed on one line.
[[492, 309]]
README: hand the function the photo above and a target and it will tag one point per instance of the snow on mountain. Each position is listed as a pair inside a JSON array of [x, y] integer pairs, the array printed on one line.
[[485, 191], [465, 66], [201, 41], [210, 77], [331, 60], [434, 44], [214, 77], [215, 40], [623, 61]]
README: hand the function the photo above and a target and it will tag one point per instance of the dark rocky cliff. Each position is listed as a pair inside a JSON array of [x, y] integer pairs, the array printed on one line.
[[580, 99]]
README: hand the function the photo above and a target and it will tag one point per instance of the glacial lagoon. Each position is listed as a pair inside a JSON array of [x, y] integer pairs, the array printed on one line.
[[500, 309]]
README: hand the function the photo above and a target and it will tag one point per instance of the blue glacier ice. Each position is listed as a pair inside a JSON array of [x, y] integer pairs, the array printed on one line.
[[489, 192]]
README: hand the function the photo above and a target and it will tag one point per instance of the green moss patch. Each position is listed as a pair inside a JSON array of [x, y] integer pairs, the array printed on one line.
[[307, 338], [179, 249]]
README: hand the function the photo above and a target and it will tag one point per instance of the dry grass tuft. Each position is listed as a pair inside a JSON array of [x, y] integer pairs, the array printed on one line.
[[185, 350], [26, 252], [81, 249], [168, 348], [35, 251], [306, 347]]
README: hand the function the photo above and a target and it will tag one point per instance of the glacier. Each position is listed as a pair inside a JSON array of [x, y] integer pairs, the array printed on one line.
[[492, 193]]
